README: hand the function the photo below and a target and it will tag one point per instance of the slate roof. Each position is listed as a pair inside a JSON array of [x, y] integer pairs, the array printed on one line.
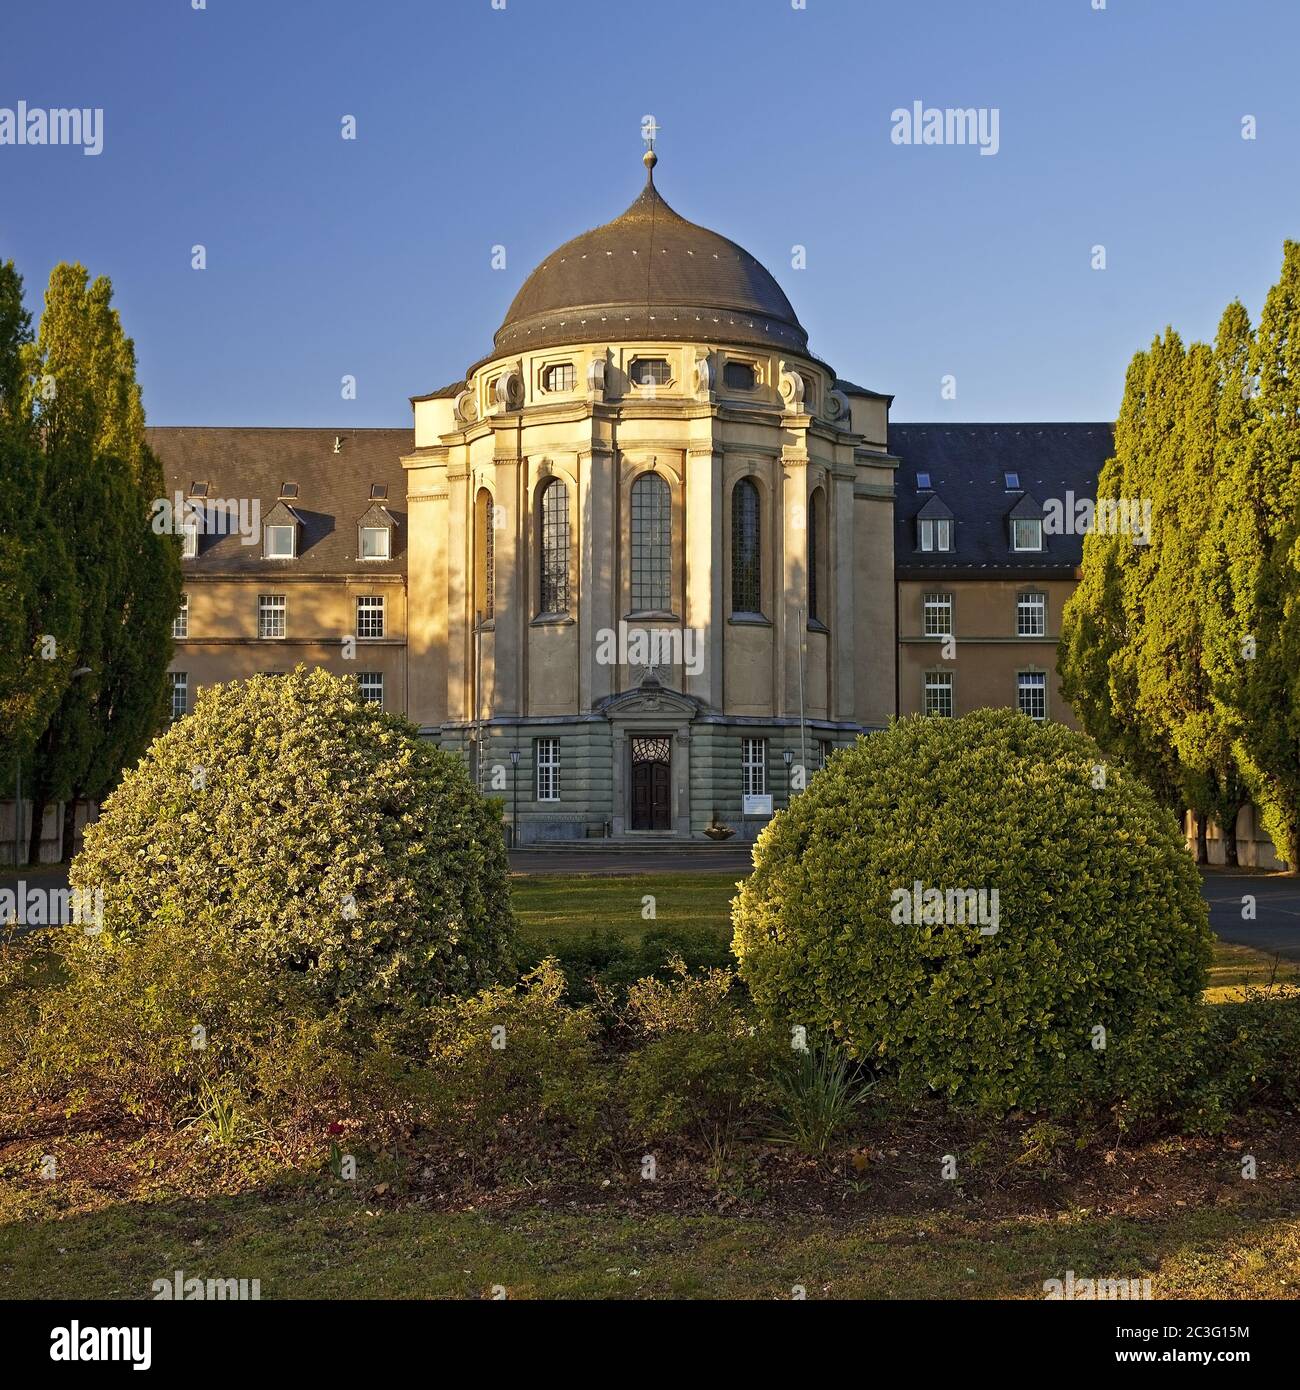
[[650, 274], [967, 466], [333, 491]]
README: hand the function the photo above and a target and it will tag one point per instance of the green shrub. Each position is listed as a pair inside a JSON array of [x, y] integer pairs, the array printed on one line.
[[149, 1026], [608, 962], [1100, 923], [819, 1091], [700, 1067], [349, 860], [1249, 1055], [516, 1064]]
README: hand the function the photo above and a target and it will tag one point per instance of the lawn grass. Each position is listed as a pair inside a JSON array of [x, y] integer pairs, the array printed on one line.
[[308, 1245], [553, 907], [302, 1238], [1238, 969]]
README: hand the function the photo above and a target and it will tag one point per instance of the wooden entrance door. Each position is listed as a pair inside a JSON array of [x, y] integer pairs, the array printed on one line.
[[651, 783]]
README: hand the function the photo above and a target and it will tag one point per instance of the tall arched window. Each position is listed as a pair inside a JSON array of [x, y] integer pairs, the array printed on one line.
[[553, 547], [484, 556], [817, 596], [746, 588], [652, 545]]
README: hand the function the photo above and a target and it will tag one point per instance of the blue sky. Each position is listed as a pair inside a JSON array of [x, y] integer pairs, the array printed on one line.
[[478, 126]]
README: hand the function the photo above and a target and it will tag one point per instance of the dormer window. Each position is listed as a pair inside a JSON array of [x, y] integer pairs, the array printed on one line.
[[934, 533], [561, 377], [651, 371], [190, 539], [280, 542], [376, 543], [1026, 533]]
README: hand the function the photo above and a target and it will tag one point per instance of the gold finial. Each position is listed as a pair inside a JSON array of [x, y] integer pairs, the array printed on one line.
[[649, 133]]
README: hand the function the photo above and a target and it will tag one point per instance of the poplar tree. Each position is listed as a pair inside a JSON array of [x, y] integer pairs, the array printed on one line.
[[1098, 659], [1254, 652], [101, 482], [1173, 686], [39, 614]]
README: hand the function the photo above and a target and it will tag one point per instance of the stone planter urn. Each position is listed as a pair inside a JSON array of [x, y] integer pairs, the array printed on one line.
[[715, 830]]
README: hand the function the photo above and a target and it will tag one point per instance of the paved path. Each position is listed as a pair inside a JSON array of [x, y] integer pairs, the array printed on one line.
[[610, 863], [1276, 928]]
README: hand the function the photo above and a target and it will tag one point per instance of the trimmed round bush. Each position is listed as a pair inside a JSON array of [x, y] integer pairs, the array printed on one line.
[[1066, 988], [334, 847]]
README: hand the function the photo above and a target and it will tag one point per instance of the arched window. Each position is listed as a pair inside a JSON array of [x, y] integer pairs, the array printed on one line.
[[553, 547], [484, 556], [817, 595], [746, 589], [652, 545]]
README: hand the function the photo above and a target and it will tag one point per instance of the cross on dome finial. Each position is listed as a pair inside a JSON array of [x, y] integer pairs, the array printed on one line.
[[649, 133]]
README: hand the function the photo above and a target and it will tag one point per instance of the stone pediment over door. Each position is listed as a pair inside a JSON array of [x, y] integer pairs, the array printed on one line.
[[650, 699]]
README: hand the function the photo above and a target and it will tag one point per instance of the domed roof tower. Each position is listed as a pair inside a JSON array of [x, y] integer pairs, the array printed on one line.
[[650, 274]]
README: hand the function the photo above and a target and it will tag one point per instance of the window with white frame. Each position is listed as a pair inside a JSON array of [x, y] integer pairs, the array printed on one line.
[[753, 766], [546, 759], [370, 615], [560, 377], [375, 543], [935, 533], [181, 622], [190, 540], [1026, 533], [272, 612], [651, 371], [937, 695], [279, 543], [1031, 615], [824, 749], [938, 615], [1031, 694], [179, 685], [371, 684]]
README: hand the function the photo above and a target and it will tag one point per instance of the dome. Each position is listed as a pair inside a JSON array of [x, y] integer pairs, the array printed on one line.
[[650, 274]]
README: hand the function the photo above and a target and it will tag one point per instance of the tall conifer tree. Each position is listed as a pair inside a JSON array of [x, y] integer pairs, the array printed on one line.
[[1254, 638], [102, 479], [39, 613]]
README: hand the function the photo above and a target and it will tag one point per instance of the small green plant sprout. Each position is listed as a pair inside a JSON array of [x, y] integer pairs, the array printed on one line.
[[818, 1090]]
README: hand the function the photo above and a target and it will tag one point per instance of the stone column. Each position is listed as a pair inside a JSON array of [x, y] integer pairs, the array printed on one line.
[[682, 781], [511, 598], [618, 812], [843, 582], [793, 593], [704, 571], [599, 545], [460, 593]]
